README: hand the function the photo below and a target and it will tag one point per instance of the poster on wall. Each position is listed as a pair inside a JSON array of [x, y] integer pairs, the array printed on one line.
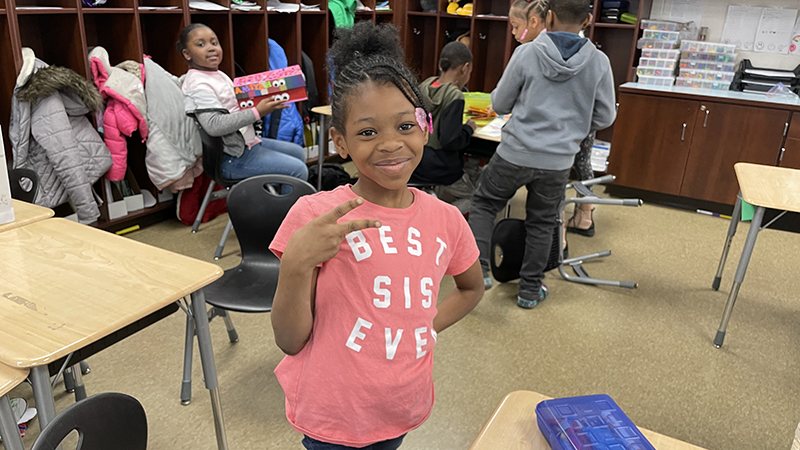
[[775, 30], [740, 28], [794, 43]]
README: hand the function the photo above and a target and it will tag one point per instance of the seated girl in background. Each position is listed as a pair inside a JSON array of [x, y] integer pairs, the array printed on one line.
[[210, 98], [356, 306]]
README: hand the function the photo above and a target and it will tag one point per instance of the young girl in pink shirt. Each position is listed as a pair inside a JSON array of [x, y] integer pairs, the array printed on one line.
[[356, 305]]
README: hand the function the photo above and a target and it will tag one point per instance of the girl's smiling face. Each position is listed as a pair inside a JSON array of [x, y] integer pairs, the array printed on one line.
[[202, 50], [382, 137]]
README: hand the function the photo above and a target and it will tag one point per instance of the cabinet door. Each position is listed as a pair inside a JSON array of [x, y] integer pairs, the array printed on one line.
[[724, 135], [651, 142], [791, 157]]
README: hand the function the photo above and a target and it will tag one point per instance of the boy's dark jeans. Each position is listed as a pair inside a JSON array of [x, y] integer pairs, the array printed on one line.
[[313, 444], [499, 182]]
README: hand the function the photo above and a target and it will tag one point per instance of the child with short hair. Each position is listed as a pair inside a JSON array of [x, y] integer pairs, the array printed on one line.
[[557, 88], [443, 159], [210, 98], [356, 304], [527, 18]]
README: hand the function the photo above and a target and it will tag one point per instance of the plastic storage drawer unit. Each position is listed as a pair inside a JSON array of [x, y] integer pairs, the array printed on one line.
[[707, 47], [660, 54], [658, 35], [656, 62], [708, 65], [656, 81], [654, 72], [703, 84], [659, 25], [655, 44], [706, 56], [592, 422], [712, 75]]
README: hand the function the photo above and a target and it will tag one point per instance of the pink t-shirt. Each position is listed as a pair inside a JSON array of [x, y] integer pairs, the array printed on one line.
[[365, 374], [220, 83]]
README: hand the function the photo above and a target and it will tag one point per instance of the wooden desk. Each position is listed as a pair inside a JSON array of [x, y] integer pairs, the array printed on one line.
[[763, 187], [9, 379], [25, 213], [513, 427], [66, 285]]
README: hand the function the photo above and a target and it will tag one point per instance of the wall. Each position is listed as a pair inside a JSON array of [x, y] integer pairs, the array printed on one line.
[[714, 13]]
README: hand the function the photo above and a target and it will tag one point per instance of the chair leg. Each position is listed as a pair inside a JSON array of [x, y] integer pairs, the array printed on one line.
[[741, 269], [737, 215], [69, 380], [80, 389], [203, 206], [221, 246], [186, 384], [85, 369], [232, 334]]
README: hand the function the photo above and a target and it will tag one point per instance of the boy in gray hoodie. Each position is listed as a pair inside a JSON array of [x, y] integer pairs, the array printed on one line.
[[558, 89]]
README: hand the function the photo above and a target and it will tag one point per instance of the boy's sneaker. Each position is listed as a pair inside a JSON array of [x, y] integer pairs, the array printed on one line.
[[487, 283], [529, 304]]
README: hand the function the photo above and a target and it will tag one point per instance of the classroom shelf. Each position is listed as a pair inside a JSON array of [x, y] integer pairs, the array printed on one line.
[[92, 11], [161, 11], [624, 26], [49, 11], [494, 18], [424, 14], [113, 32]]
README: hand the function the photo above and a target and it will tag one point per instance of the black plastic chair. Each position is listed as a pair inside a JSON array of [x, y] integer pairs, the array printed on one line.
[[257, 210], [104, 421], [20, 188], [213, 154]]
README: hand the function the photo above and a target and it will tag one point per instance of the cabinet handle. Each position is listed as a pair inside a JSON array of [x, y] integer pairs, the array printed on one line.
[[786, 129], [780, 158], [683, 133], [705, 121]]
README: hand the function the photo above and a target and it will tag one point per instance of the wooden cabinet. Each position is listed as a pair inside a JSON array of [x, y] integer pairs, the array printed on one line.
[[651, 144], [724, 135], [685, 145]]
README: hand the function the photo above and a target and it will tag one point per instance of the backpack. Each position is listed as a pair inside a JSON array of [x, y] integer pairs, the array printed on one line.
[[333, 176], [507, 249]]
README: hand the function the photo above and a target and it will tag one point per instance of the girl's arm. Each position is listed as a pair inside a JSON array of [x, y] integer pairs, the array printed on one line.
[[218, 123], [459, 302], [311, 245]]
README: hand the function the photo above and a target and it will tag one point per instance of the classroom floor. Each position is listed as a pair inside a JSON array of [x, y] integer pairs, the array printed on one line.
[[650, 349]]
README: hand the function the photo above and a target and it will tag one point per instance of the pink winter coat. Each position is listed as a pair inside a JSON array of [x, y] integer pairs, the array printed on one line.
[[125, 111]]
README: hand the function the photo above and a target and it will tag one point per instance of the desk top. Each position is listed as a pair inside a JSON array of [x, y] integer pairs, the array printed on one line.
[[485, 138], [66, 285], [513, 427], [742, 98], [324, 110], [25, 213], [10, 378], [769, 186]]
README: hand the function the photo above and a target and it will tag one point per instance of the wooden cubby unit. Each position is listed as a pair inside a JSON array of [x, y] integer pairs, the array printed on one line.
[[117, 33], [251, 54], [159, 34]]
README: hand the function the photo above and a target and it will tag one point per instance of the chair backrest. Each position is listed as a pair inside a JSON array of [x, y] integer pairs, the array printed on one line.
[[22, 189], [103, 421], [213, 154], [257, 207]]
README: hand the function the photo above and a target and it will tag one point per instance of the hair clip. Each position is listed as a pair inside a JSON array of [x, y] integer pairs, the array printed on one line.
[[424, 120]]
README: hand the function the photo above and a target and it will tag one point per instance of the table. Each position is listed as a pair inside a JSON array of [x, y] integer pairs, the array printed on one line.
[[764, 187], [324, 112], [67, 285], [513, 427], [25, 213], [9, 379]]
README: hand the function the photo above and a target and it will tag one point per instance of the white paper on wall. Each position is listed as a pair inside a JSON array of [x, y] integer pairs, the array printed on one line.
[[741, 25], [794, 43], [775, 30], [686, 11]]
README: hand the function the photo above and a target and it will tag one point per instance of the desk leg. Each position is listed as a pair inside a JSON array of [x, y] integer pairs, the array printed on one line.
[[209, 368], [323, 147], [8, 426], [43, 394], [735, 218], [755, 226]]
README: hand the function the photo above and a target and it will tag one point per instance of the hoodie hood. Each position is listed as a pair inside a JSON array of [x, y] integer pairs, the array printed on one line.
[[562, 55], [439, 95], [48, 80]]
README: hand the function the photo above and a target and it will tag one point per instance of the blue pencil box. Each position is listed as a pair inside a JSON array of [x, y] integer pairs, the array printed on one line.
[[591, 422]]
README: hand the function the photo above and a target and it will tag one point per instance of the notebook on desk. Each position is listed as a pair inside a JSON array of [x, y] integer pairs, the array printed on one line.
[[493, 129]]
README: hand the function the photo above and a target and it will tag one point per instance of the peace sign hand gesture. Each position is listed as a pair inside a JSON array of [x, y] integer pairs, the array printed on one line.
[[319, 240]]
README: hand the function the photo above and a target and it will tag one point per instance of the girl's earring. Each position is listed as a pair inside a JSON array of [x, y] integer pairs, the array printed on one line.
[[524, 33]]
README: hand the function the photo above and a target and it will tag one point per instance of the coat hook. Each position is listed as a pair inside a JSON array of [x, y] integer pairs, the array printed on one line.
[[481, 36], [417, 32]]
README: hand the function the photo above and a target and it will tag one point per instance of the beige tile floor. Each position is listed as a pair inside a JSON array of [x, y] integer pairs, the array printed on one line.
[[650, 349]]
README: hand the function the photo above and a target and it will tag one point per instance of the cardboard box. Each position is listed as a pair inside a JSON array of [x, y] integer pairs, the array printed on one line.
[[287, 85]]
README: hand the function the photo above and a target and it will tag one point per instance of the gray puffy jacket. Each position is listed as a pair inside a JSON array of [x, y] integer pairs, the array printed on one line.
[[51, 134]]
